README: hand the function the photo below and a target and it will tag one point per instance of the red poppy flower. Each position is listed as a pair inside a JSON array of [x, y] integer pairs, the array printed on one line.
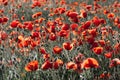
[[34, 44], [61, 10], [74, 26], [32, 66], [57, 50], [92, 32], [67, 46], [35, 34], [108, 55], [46, 56], [97, 50], [90, 39], [117, 20], [102, 21], [71, 65], [28, 25], [72, 14], [96, 21], [47, 65], [3, 35], [90, 63], [111, 15], [86, 25], [65, 27], [114, 62], [40, 20], [56, 11], [36, 15], [52, 37], [42, 50], [14, 24], [57, 63], [36, 3], [5, 19], [63, 33]]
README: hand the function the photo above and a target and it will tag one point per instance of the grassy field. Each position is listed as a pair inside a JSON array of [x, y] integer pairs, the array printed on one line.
[[59, 40]]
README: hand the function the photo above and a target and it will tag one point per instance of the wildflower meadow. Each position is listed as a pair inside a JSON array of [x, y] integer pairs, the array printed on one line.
[[59, 39]]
